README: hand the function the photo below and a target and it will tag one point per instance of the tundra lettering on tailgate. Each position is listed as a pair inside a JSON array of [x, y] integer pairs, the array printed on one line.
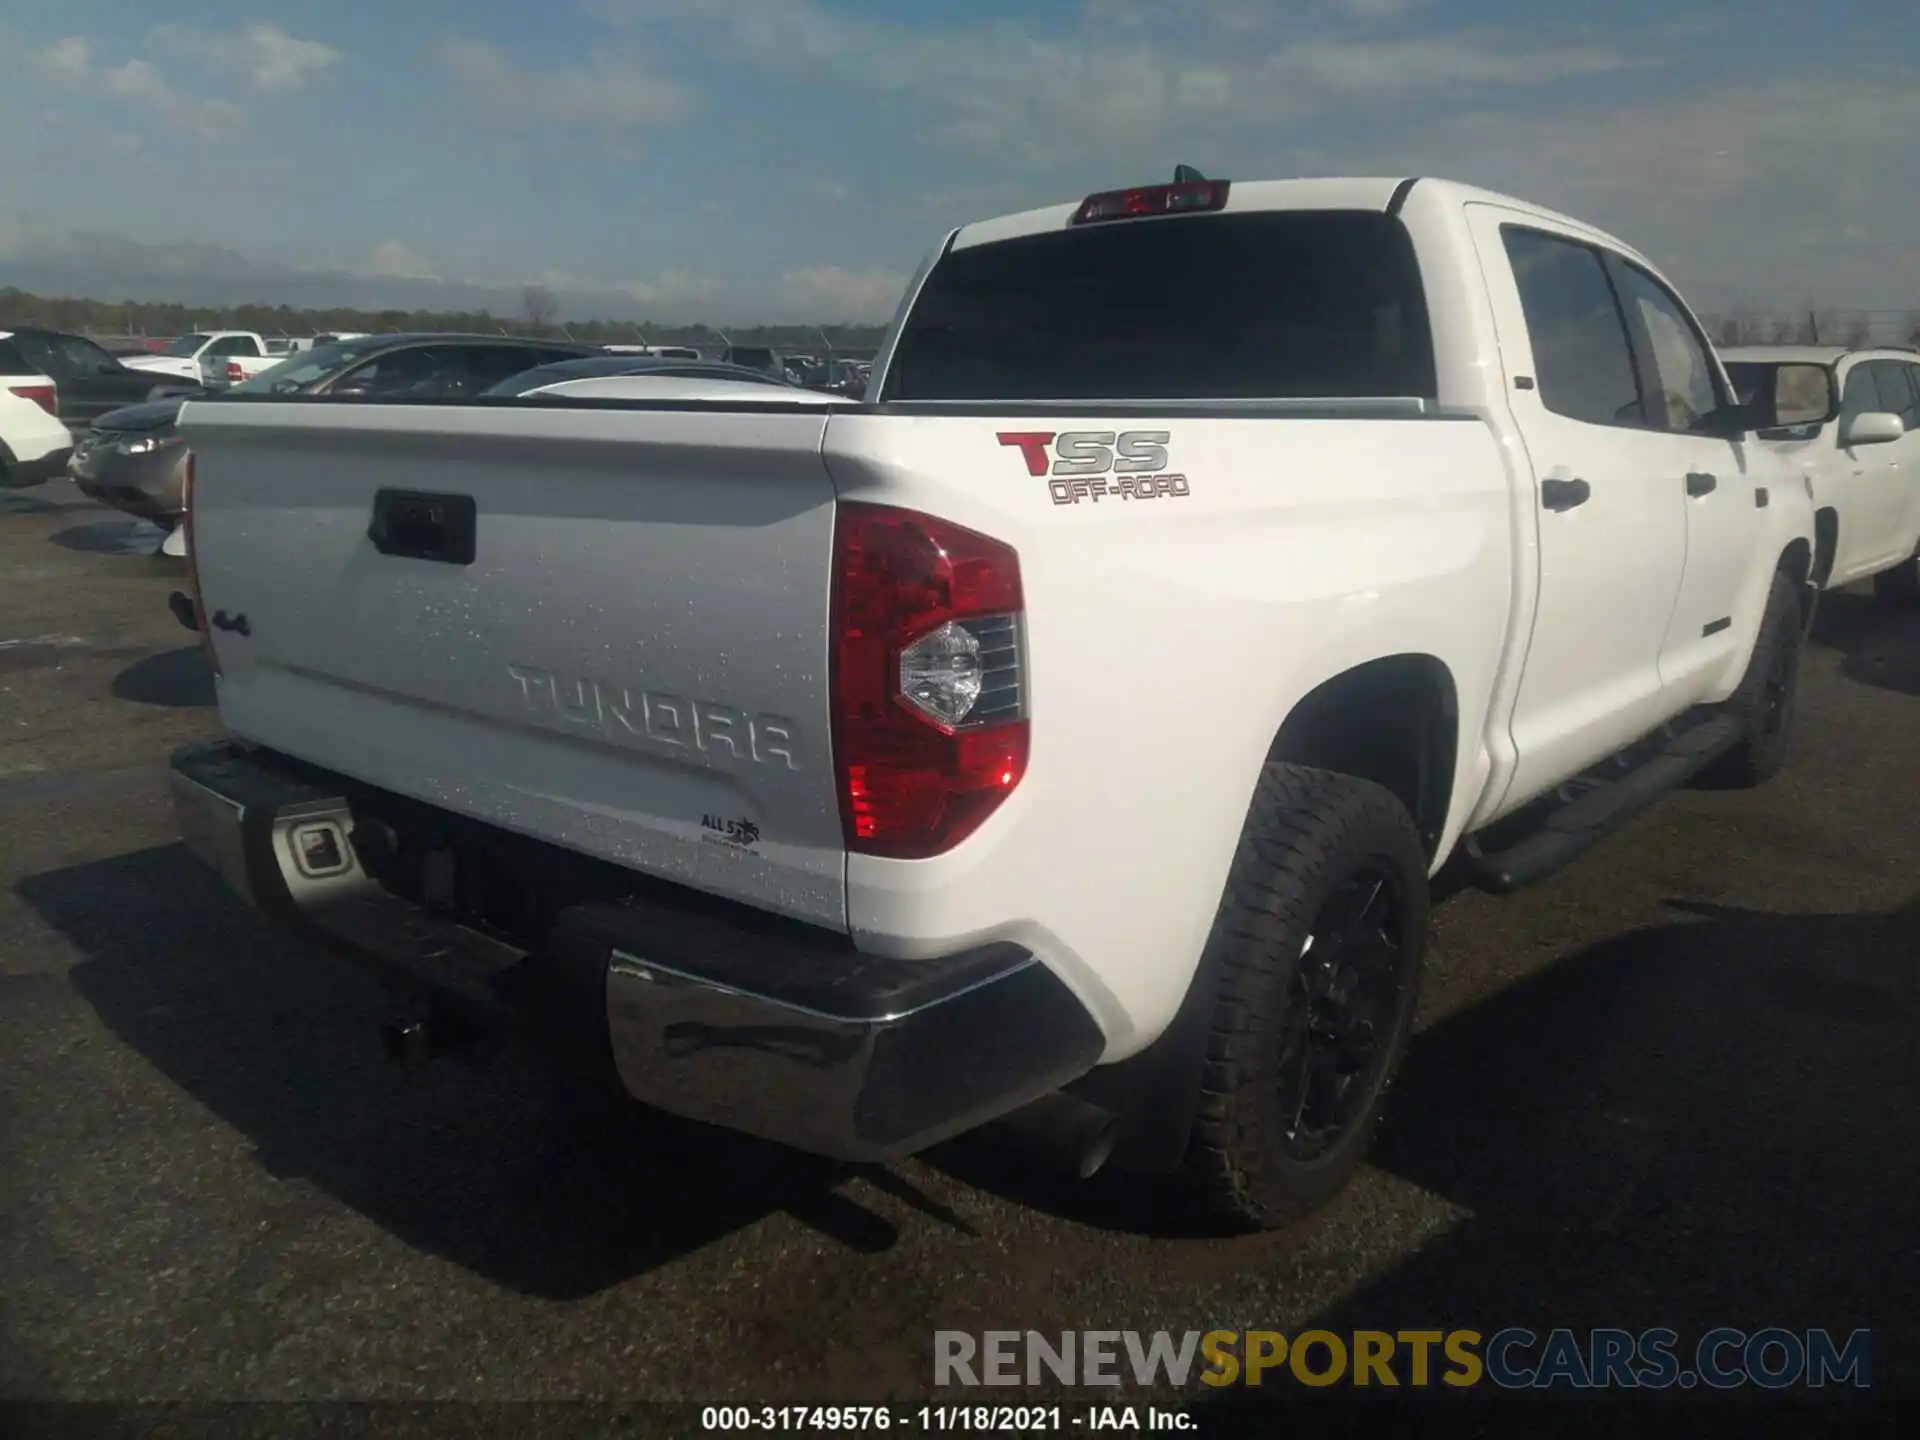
[[671, 721], [1099, 465]]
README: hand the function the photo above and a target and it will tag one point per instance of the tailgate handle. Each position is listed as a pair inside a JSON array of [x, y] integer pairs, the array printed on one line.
[[423, 525]]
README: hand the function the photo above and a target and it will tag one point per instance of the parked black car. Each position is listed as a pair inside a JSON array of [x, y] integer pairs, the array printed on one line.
[[135, 459], [90, 381]]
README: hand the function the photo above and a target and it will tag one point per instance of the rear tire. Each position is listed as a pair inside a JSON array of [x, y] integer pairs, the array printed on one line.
[[1316, 951], [1769, 695]]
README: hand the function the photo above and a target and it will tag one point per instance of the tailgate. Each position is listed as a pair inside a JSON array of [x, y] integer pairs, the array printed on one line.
[[633, 664]]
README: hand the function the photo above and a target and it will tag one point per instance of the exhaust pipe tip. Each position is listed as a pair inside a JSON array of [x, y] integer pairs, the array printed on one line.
[[1062, 1131]]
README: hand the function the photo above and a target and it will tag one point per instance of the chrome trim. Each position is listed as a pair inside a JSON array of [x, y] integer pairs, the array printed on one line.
[[779, 1030], [860, 1088], [632, 967], [210, 824]]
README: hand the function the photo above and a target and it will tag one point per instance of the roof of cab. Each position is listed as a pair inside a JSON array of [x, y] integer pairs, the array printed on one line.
[[1365, 192], [1814, 354]]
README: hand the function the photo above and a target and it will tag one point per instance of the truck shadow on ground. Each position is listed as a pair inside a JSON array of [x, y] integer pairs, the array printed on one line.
[[174, 679], [1880, 640], [538, 1185], [1707, 1123], [111, 537]]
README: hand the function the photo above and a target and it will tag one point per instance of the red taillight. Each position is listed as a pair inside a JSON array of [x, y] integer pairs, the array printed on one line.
[[929, 679], [1185, 197], [193, 573], [234, 373], [45, 396]]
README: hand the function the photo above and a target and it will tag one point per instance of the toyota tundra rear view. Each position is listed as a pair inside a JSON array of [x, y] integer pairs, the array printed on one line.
[[1063, 738]]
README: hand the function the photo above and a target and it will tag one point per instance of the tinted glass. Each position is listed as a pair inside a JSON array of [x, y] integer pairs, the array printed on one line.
[[1682, 392], [1581, 359], [423, 373], [1912, 413], [309, 367], [1798, 389], [186, 345], [39, 353], [1861, 396], [1896, 395], [1241, 307], [12, 362], [490, 364], [83, 355]]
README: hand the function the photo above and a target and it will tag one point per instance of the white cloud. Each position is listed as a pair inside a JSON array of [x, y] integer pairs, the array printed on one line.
[[399, 260], [1378, 9], [265, 56], [831, 293], [1129, 75], [608, 91], [139, 83], [68, 59], [1735, 190]]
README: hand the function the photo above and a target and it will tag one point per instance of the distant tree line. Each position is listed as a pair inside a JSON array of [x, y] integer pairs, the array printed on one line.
[[155, 318], [1855, 329]]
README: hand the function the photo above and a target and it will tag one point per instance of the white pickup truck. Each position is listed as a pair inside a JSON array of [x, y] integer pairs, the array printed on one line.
[[1069, 735], [211, 357]]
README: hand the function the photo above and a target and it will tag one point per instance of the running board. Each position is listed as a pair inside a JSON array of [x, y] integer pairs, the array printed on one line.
[[1587, 809]]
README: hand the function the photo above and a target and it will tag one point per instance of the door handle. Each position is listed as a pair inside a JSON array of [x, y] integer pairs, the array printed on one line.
[[1699, 483], [1564, 494]]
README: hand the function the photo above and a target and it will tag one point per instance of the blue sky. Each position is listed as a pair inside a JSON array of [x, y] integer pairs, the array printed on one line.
[[792, 159]]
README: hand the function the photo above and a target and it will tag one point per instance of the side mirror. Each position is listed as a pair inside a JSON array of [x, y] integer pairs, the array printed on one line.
[[1871, 427], [1803, 394], [1800, 395], [109, 367]]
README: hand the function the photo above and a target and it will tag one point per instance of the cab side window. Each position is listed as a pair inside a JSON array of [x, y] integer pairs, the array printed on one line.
[[1860, 394], [1582, 362], [1894, 380], [1683, 395]]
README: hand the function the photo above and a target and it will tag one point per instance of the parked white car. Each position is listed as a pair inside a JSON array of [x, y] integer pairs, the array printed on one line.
[[35, 444], [210, 357], [1863, 464], [1064, 737]]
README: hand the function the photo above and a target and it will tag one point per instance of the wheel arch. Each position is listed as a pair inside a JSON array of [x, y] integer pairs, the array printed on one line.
[[1826, 544], [1395, 721]]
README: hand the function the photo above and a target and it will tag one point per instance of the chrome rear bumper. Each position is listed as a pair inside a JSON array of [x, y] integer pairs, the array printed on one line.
[[709, 1010]]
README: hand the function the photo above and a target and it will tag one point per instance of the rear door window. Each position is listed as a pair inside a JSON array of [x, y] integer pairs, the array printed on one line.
[[490, 364], [1269, 305], [425, 372], [43, 357]]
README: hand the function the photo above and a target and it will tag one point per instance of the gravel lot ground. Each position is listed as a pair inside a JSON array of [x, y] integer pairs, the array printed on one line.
[[1675, 1085]]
